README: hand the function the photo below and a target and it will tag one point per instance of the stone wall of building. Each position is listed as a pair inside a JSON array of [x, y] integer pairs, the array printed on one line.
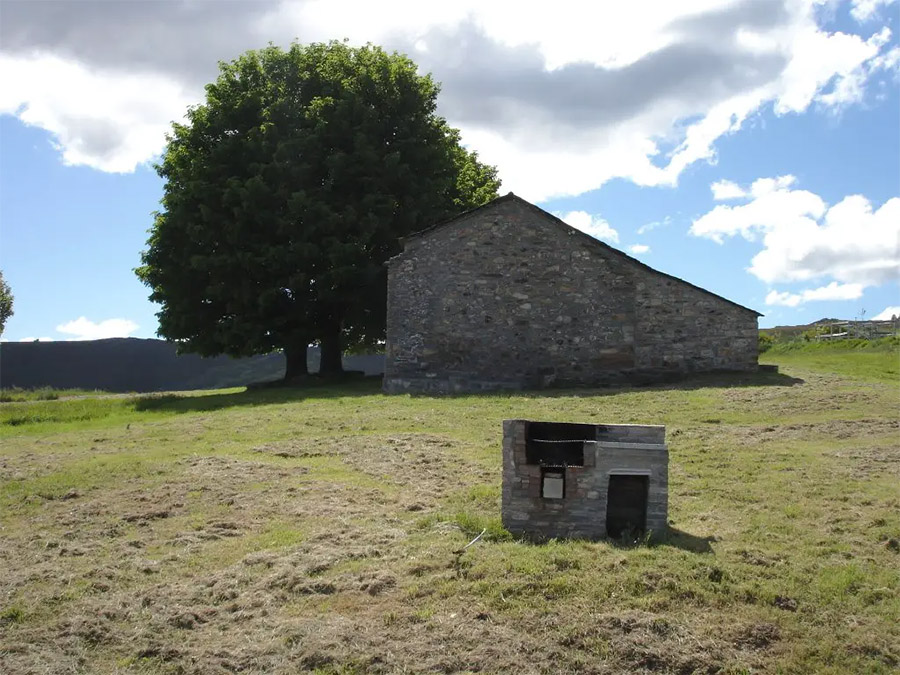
[[507, 298], [616, 449], [681, 328]]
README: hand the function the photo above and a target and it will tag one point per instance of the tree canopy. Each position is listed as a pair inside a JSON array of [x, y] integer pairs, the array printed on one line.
[[288, 189], [6, 302]]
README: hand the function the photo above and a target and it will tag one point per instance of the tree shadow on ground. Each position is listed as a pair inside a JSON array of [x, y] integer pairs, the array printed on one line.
[[315, 388], [270, 394]]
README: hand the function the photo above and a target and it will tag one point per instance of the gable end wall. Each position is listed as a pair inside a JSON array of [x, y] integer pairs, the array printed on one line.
[[506, 299]]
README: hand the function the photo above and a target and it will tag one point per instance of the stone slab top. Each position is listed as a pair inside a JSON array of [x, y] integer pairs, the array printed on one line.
[[654, 427], [602, 433]]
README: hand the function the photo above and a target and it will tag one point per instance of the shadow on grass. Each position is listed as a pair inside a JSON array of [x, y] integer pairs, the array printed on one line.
[[276, 393], [686, 541], [673, 538], [712, 380], [272, 394]]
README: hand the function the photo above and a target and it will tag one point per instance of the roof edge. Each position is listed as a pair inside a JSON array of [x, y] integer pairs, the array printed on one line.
[[509, 196]]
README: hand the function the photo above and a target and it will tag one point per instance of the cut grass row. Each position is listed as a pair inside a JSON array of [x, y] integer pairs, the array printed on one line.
[[877, 360], [42, 394]]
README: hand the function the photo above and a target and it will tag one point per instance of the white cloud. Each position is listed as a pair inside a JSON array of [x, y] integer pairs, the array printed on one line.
[[643, 229], [764, 186], [639, 248], [833, 291], [594, 225], [803, 238], [561, 96], [830, 69], [84, 329], [866, 10], [109, 121], [853, 244], [769, 210], [724, 190], [849, 87], [888, 313]]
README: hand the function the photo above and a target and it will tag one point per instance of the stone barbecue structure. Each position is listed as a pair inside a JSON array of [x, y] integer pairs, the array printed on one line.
[[584, 480], [507, 296]]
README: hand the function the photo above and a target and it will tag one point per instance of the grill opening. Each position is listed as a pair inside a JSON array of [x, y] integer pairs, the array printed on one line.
[[557, 443], [626, 505]]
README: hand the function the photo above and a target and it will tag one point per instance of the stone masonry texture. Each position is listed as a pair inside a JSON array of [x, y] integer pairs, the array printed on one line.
[[507, 296], [613, 449]]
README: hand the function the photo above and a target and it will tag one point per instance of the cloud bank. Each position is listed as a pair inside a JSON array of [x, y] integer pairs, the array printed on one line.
[[805, 239], [562, 96], [888, 313]]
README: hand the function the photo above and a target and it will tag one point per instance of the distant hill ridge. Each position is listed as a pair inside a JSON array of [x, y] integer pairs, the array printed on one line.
[[135, 364]]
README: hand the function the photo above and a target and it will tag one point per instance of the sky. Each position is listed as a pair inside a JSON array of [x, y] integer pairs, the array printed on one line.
[[751, 147]]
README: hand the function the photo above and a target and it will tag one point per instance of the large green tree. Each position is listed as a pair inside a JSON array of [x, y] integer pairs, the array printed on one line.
[[288, 189], [6, 302]]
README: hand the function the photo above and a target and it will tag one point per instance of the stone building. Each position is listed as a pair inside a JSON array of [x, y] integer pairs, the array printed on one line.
[[507, 296], [584, 480]]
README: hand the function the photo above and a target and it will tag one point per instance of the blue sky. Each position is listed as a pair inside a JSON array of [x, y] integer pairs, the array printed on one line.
[[619, 124]]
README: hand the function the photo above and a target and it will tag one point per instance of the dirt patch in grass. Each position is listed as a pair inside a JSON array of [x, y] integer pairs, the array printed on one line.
[[774, 433], [420, 469], [869, 461], [832, 429], [757, 635]]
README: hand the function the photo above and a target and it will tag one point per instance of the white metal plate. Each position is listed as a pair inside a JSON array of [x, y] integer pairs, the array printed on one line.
[[553, 486]]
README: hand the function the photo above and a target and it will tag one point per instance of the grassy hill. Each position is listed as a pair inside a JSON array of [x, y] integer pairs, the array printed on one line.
[[870, 359], [284, 530]]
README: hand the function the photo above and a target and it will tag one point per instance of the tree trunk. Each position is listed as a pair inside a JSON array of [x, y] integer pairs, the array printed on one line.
[[331, 352], [295, 361]]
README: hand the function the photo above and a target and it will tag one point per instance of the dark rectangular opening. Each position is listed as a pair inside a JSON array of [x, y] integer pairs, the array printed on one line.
[[626, 505], [557, 443]]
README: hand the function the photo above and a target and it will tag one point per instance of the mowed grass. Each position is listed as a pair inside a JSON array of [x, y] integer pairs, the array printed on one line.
[[867, 359], [41, 393], [286, 530]]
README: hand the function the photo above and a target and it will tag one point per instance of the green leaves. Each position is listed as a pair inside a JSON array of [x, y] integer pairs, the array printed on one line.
[[288, 189], [6, 302]]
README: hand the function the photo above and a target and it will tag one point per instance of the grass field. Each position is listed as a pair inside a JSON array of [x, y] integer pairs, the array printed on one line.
[[41, 394], [872, 360], [277, 531]]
